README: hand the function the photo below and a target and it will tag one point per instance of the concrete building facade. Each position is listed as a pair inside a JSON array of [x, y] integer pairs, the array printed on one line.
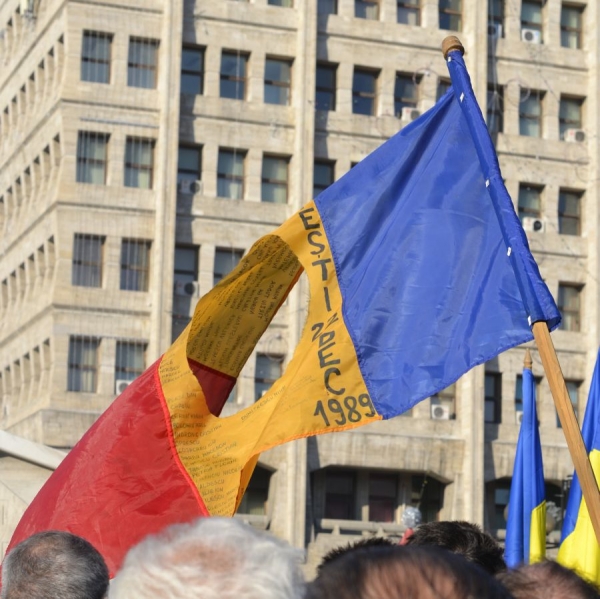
[[146, 144]]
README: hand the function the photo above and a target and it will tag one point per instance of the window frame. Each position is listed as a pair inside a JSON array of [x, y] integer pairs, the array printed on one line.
[[411, 8], [279, 183], [495, 109], [574, 313], [564, 216], [263, 380], [523, 210], [141, 67], [244, 57], [450, 12], [82, 171], [401, 102], [324, 162], [87, 60], [82, 266], [232, 177], [237, 253], [567, 123], [332, 68], [123, 372], [525, 117], [496, 398], [126, 268], [359, 94], [201, 50], [566, 29], [366, 4], [184, 172], [284, 85], [137, 168], [77, 370]]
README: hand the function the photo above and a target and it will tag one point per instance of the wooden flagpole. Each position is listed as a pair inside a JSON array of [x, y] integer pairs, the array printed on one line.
[[558, 388], [566, 414]]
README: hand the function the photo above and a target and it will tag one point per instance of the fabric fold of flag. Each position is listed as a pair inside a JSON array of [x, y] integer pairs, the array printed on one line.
[[526, 525], [579, 548], [418, 270]]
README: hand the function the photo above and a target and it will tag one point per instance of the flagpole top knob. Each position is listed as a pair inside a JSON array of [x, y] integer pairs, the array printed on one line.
[[527, 362], [451, 43]]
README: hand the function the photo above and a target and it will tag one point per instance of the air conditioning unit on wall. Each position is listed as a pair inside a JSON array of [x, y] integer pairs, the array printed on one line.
[[120, 386], [187, 288], [189, 186], [534, 225], [494, 30], [531, 36], [575, 135], [410, 114], [439, 412]]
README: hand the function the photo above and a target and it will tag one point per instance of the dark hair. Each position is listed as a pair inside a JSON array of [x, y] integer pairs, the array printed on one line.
[[54, 565], [398, 572], [548, 580], [362, 544], [464, 538]]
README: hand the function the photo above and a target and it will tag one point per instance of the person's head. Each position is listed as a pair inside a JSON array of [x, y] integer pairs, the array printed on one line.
[[464, 538], [211, 558], [54, 565], [362, 544], [547, 580], [398, 572]]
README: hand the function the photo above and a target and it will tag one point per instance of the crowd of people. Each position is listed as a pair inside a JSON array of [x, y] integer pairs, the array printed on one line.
[[222, 558]]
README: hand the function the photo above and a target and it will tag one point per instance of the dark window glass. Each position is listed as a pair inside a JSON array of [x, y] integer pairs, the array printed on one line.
[[189, 163], [427, 494], [142, 63], [233, 75], [83, 364], [255, 498], [268, 369], [530, 113], [569, 212], [139, 162], [95, 56], [493, 398], [569, 304], [495, 110], [225, 261], [450, 13], [408, 12], [340, 490], [326, 85], [327, 7], [406, 93], [531, 15], [571, 27], [130, 360], [573, 391], [87, 260], [91, 157], [274, 186], [364, 91], [192, 70], [530, 201], [383, 489], [230, 174], [366, 9], [135, 264], [442, 87], [278, 81], [569, 116], [322, 176]]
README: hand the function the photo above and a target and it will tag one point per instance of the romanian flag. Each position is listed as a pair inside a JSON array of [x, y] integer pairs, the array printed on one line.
[[579, 548], [526, 526], [418, 270]]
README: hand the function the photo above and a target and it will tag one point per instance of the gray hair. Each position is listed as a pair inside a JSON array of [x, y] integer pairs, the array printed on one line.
[[212, 558], [54, 565]]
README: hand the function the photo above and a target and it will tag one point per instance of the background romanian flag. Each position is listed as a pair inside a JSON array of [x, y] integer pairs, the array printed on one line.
[[579, 548], [418, 270], [526, 524]]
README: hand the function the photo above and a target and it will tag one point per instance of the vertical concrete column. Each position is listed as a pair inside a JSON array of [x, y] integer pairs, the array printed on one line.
[[161, 295], [512, 101], [551, 20], [512, 21], [304, 69], [212, 74], [472, 427]]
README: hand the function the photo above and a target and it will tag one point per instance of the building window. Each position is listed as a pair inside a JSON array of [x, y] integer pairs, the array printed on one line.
[[408, 12], [406, 93], [91, 157], [569, 115], [233, 75], [269, 368], [278, 81], [383, 490], [255, 498], [498, 494], [530, 201], [327, 7], [139, 161], [364, 91], [366, 9], [427, 494], [130, 360], [531, 15], [573, 391], [186, 263], [192, 70], [87, 260], [95, 56], [274, 187], [135, 264], [230, 174], [493, 397], [225, 261], [495, 17], [189, 163], [142, 62], [340, 491], [530, 113], [325, 88], [495, 103], [571, 27], [450, 14], [284, 3], [569, 304], [442, 87], [83, 364], [569, 212], [323, 173]]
